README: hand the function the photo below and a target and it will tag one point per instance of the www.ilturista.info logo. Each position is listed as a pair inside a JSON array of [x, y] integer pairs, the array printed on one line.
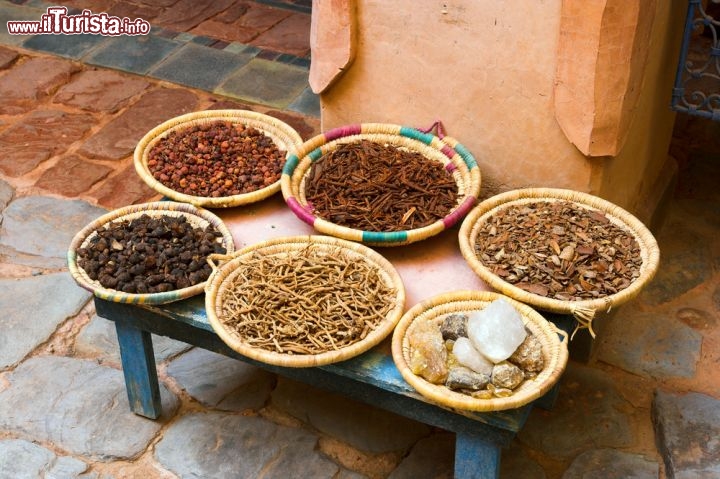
[[57, 22]]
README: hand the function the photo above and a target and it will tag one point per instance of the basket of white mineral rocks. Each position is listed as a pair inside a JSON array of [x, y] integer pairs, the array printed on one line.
[[478, 351]]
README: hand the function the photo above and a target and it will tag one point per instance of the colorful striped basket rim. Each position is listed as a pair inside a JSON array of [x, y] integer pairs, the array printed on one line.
[[457, 159]]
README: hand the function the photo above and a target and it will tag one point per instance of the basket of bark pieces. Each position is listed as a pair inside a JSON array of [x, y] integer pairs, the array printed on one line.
[[151, 253], [559, 250], [303, 301], [478, 351], [381, 184], [216, 158]]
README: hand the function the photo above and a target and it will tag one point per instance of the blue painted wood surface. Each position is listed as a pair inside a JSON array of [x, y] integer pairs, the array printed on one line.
[[138, 363], [476, 457], [371, 377]]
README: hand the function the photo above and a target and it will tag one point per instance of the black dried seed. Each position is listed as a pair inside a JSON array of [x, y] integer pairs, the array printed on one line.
[[150, 255], [124, 277], [137, 269], [196, 277], [154, 279], [109, 280], [100, 246]]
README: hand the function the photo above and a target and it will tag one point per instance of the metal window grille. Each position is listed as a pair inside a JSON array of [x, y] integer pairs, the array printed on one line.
[[697, 83]]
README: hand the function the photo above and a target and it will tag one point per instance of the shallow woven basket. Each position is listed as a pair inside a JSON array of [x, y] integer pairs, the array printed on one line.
[[224, 275], [196, 216], [454, 156], [284, 137], [553, 341], [585, 310]]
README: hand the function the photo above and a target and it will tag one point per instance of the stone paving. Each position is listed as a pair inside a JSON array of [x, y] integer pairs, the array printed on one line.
[[645, 405], [237, 40]]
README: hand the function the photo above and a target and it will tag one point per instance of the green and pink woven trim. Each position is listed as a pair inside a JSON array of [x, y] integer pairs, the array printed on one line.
[[457, 159]]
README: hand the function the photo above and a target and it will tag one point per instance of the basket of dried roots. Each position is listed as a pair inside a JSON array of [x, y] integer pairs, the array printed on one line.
[[559, 250], [303, 301], [150, 253], [381, 184], [216, 158], [478, 351]]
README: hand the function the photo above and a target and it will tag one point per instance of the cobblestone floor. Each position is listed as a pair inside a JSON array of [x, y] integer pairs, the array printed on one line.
[[646, 404]]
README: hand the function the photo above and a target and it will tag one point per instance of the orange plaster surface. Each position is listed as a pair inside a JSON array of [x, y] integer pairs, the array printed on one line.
[[561, 93], [601, 60], [485, 69]]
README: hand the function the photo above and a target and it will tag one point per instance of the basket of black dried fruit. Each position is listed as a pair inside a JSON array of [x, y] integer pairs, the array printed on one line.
[[150, 253], [478, 351], [559, 250], [216, 158], [381, 184]]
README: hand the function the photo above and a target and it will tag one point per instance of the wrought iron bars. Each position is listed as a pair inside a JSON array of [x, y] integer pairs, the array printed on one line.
[[697, 82]]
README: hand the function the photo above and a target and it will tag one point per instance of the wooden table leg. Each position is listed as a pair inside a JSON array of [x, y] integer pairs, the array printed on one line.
[[547, 401], [476, 458], [138, 363]]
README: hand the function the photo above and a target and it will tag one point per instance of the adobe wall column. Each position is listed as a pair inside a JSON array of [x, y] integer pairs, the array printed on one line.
[[602, 54], [333, 35]]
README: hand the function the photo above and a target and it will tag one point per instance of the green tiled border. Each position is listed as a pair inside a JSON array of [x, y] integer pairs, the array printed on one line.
[[190, 65], [251, 83]]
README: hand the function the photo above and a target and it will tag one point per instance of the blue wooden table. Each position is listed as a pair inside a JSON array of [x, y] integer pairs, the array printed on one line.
[[371, 377], [428, 268]]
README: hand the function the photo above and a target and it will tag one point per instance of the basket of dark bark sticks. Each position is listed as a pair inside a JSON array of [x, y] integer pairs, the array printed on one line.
[[150, 253], [381, 184], [478, 351], [216, 158], [303, 301], [560, 251]]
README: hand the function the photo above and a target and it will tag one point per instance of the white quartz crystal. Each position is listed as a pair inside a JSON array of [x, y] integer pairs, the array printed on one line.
[[497, 330], [468, 356]]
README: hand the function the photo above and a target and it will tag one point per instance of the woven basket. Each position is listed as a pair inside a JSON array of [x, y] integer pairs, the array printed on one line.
[[553, 341], [195, 216], [583, 310], [284, 137], [455, 157], [224, 275]]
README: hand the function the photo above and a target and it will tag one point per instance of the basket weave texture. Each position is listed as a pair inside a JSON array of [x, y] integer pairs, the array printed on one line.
[[224, 275], [583, 310], [553, 341], [454, 156], [197, 217], [284, 137]]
